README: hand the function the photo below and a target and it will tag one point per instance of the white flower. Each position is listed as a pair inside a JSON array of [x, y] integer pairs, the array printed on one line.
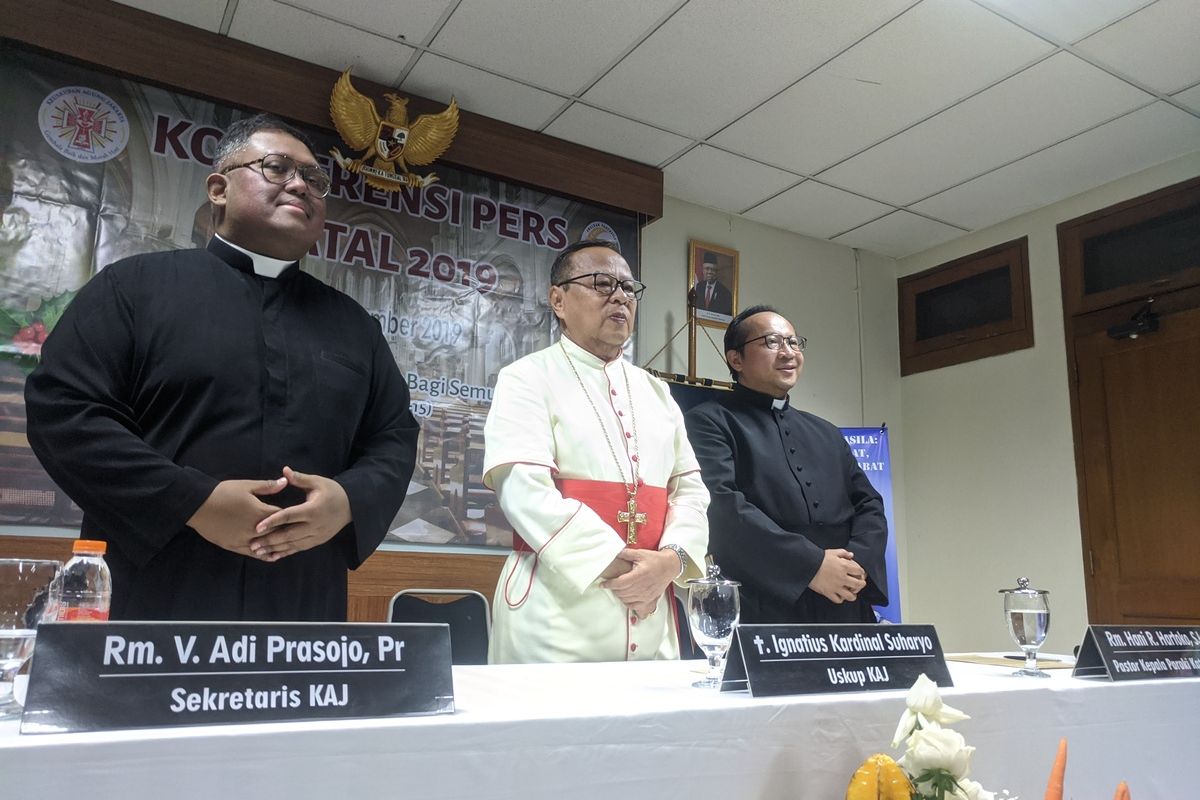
[[925, 707], [937, 748]]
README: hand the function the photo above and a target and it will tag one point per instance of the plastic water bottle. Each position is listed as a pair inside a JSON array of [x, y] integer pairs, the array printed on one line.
[[86, 584]]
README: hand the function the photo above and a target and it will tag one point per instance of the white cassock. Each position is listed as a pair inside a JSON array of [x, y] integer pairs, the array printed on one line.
[[541, 431]]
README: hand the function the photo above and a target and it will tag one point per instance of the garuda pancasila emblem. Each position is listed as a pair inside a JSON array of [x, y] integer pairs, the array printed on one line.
[[390, 141]]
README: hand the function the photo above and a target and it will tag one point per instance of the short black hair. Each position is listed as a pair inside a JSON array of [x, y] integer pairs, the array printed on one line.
[[562, 262], [734, 337], [238, 135]]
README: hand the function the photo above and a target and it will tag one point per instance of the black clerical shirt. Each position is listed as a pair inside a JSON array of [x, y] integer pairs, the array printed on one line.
[[785, 487], [173, 371]]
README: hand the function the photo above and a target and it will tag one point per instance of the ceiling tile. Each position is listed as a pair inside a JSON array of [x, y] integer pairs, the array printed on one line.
[[1044, 104], [1064, 20], [1159, 45], [562, 47], [206, 14], [817, 210], [716, 59], [616, 135], [938, 52], [1190, 98], [1134, 142], [710, 177], [481, 92], [413, 24], [899, 234], [306, 36]]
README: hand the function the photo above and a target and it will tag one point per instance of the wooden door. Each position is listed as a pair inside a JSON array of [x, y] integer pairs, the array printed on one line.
[[1139, 424]]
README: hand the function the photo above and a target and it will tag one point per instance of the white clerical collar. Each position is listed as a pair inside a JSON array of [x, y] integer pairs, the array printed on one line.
[[264, 266], [576, 350], [779, 403]]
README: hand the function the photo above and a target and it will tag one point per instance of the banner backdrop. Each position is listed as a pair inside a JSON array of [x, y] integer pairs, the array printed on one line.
[[94, 168], [870, 448]]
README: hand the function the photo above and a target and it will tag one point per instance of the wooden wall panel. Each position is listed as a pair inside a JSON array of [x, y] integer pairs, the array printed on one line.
[[55, 547], [387, 572], [371, 585], [157, 50]]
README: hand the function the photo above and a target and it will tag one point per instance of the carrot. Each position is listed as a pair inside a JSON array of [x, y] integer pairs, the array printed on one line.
[[1054, 787], [1122, 792]]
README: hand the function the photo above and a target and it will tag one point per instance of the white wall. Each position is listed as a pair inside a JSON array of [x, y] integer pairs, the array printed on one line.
[[988, 460], [813, 283]]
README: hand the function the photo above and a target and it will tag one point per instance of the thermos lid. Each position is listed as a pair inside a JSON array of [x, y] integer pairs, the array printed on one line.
[[713, 578], [1023, 587]]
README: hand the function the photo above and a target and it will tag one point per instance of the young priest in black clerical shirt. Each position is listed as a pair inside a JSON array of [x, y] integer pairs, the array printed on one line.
[[237, 431], [792, 516]]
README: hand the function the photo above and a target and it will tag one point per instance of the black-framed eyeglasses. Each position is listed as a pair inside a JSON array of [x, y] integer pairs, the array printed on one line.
[[280, 168], [774, 341], [607, 285]]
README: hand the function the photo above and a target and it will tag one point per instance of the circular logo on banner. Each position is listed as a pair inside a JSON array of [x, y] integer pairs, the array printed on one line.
[[83, 124], [600, 231]]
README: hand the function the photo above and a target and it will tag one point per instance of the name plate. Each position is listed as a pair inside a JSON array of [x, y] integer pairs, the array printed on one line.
[[102, 676], [773, 660], [1138, 652]]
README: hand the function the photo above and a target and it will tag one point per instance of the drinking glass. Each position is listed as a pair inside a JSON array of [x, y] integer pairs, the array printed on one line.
[[713, 609], [1027, 612], [30, 590]]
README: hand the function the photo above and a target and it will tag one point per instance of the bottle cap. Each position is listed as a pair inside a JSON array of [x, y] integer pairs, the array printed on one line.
[[91, 546]]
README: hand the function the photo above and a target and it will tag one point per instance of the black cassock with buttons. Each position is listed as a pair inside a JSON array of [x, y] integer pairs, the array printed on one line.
[[785, 487], [172, 371]]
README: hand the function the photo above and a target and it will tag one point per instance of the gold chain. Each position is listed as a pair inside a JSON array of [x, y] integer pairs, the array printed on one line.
[[632, 486]]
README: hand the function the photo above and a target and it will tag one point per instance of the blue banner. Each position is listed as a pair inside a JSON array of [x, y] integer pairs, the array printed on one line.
[[870, 448]]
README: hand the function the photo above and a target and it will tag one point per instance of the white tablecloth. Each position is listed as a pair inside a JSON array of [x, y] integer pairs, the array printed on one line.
[[632, 731]]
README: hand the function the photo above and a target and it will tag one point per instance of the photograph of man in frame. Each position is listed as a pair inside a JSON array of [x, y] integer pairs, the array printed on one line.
[[712, 282]]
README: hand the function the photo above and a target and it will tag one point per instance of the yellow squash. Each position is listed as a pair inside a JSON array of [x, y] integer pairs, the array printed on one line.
[[879, 778]]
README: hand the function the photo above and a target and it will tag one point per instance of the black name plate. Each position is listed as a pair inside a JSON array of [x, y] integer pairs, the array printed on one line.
[[100, 676], [1138, 652], [775, 660]]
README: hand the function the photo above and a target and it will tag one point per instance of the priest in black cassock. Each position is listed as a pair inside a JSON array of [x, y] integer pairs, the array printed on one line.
[[792, 516], [236, 430]]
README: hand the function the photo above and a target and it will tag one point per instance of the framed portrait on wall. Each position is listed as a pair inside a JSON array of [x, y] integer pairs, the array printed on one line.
[[712, 283]]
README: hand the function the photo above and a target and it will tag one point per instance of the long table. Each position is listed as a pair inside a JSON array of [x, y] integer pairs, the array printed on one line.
[[632, 731]]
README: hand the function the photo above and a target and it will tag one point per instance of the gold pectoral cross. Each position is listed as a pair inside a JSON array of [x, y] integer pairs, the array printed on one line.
[[631, 518]]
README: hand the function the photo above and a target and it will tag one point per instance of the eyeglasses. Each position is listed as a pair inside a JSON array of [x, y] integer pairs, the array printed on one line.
[[278, 168], [607, 285], [773, 341]]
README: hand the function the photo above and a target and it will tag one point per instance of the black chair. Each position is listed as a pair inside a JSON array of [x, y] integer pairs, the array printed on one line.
[[687, 647], [466, 612]]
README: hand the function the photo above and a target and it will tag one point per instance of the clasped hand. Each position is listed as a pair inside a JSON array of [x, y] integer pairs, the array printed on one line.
[[234, 518], [839, 578], [639, 578]]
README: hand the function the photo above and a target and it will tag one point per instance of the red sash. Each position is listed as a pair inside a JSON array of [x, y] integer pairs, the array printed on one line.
[[607, 499]]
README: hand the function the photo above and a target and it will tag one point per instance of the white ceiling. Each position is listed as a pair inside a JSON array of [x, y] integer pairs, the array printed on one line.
[[890, 125]]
